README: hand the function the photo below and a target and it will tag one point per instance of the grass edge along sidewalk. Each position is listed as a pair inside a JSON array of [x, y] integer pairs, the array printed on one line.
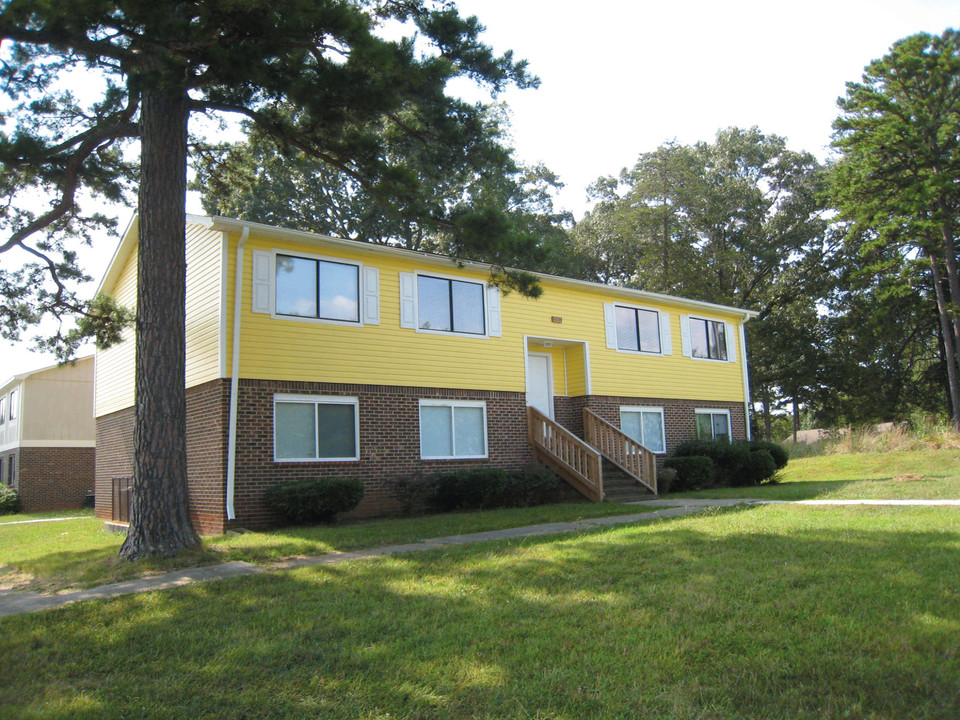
[[17, 602]]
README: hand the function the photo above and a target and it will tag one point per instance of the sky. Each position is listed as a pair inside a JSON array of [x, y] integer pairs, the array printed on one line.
[[621, 77]]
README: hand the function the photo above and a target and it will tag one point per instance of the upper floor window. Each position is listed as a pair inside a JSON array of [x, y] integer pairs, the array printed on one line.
[[708, 339], [448, 305], [14, 400], [3, 409], [637, 330], [317, 289]]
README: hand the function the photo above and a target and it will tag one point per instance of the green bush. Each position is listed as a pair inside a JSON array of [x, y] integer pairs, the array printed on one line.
[[532, 485], [760, 468], [415, 493], [469, 489], [730, 460], [777, 452], [693, 472], [9, 500], [666, 476], [315, 499]]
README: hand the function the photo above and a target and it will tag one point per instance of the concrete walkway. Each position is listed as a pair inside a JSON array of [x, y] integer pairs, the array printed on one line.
[[13, 602]]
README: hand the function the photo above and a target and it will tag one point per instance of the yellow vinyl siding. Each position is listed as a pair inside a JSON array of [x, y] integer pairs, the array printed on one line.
[[387, 354], [115, 367]]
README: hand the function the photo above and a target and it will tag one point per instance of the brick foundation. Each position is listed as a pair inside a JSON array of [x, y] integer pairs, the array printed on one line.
[[389, 442], [54, 478]]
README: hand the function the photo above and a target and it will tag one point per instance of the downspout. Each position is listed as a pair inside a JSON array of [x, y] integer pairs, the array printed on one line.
[[746, 377], [234, 374]]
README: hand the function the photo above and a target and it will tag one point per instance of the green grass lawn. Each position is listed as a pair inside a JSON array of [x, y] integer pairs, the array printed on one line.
[[919, 475], [49, 515], [761, 612], [52, 556]]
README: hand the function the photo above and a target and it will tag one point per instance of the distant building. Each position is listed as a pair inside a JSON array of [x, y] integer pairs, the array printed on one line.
[[48, 436]]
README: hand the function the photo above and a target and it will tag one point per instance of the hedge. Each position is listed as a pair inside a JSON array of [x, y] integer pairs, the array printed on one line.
[[315, 499]]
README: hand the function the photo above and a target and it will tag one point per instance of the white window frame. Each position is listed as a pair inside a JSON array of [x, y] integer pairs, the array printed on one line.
[[319, 400], [648, 409], [727, 330], [3, 409], [361, 290], [711, 412], [453, 404], [439, 276], [14, 409]]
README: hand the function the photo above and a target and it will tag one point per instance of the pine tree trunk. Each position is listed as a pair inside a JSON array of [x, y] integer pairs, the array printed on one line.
[[159, 517], [796, 420], [949, 345]]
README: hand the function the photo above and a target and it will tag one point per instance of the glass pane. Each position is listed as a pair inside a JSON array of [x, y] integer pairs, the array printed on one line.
[[713, 347], [630, 425], [295, 430], [433, 303], [653, 431], [435, 431], [626, 328], [469, 431], [721, 340], [336, 431], [339, 292], [721, 427], [649, 323], [698, 338], [704, 427], [467, 307], [296, 286]]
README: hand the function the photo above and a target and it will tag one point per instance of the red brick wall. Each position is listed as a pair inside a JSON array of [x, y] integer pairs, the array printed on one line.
[[207, 413], [55, 478], [389, 442]]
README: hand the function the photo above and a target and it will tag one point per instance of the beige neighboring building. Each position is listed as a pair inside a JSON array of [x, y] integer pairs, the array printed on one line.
[[48, 436]]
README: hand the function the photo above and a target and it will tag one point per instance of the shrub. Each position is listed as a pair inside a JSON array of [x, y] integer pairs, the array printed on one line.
[[415, 493], [314, 499], [9, 500], [760, 468], [665, 479], [729, 459], [693, 472], [777, 452], [533, 485], [469, 489]]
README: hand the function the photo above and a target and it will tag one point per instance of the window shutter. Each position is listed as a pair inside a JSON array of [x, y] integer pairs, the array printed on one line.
[[728, 330], [371, 295], [610, 323], [408, 298], [666, 338], [493, 312], [685, 334], [262, 266]]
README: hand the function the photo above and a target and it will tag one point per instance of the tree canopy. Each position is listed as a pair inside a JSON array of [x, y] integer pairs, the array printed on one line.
[[323, 77]]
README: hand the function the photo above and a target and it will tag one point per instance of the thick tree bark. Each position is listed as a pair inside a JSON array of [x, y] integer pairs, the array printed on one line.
[[949, 341], [159, 517]]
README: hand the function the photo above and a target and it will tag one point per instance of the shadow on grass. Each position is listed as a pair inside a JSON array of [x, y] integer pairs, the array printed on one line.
[[715, 617]]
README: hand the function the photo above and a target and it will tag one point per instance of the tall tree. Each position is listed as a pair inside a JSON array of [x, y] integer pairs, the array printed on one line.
[[361, 102], [898, 179]]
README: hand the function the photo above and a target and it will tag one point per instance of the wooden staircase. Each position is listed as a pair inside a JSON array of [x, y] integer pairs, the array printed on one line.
[[607, 466]]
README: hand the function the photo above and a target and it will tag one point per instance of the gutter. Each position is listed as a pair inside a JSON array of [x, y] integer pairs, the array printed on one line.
[[234, 374]]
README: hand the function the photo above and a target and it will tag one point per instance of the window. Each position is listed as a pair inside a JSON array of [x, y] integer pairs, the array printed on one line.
[[3, 478], [450, 305], [308, 427], [12, 471], [645, 425], [713, 425], [3, 410], [14, 398], [708, 339], [453, 429], [637, 330], [318, 289]]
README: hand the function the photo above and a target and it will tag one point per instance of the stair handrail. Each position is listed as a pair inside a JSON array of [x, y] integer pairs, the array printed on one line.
[[621, 449], [568, 455]]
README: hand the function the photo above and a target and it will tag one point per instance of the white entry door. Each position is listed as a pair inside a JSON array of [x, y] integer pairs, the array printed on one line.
[[540, 382]]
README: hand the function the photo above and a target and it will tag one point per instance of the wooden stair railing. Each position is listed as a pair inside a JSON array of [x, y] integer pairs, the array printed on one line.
[[622, 450], [569, 456]]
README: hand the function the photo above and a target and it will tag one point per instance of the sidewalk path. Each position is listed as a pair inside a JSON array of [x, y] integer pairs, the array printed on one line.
[[14, 602]]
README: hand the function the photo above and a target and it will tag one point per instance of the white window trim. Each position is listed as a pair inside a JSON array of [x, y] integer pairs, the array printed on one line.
[[454, 404], [727, 330], [714, 411], [663, 330], [3, 410], [14, 411], [648, 409], [440, 276], [361, 290], [318, 400]]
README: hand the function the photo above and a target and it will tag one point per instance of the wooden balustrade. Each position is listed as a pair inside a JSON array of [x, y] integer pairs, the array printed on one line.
[[569, 456], [621, 449]]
